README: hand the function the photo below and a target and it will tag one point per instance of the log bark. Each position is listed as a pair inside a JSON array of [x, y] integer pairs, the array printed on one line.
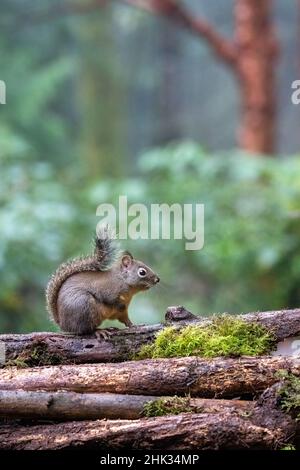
[[47, 348], [71, 406], [182, 432], [209, 378]]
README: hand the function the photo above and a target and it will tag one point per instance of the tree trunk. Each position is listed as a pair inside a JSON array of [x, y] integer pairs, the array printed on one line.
[[186, 431], [71, 406], [168, 102], [99, 90], [252, 58], [257, 54], [188, 375], [53, 348]]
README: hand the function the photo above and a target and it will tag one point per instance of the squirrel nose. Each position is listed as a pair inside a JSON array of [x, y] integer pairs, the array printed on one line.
[[156, 280]]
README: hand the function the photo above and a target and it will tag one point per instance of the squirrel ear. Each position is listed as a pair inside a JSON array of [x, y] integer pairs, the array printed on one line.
[[126, 259]]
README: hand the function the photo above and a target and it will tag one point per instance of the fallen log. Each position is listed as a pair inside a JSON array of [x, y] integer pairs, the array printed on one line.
[[208, 378], [70, 406], [186, 431], [54, 348]]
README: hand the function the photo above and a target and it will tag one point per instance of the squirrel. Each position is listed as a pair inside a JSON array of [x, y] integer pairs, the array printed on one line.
[[85, 291]]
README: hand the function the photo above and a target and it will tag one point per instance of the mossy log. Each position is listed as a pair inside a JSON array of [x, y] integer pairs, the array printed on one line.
[[71, 406], [186, 431], [54, 348], [207, 378]]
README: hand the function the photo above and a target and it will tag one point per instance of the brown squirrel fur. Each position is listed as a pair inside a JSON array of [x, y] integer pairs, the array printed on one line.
[[85, 291]]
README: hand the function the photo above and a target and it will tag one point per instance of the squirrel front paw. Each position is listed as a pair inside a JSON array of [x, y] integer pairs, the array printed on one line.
[[105, 333]]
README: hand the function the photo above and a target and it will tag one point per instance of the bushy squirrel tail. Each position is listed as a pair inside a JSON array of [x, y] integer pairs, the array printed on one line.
[[107, 248], [106, 252]]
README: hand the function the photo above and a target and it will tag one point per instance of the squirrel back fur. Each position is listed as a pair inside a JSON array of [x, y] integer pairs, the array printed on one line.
[[106, 252]]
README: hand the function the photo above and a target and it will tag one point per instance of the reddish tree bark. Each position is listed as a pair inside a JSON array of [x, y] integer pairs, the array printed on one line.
[[257, 54], [251, 56]]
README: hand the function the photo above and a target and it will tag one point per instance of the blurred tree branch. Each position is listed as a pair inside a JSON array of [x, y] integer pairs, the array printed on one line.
[[223, 48], [171, 9], [252, 56]]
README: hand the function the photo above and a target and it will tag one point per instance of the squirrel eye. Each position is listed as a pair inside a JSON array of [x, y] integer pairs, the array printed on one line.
[[142, 272]]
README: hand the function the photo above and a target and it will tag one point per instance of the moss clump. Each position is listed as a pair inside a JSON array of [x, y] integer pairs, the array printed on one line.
[[41, 356], [289, 394], [167, 406], [226, 335], [38, 356], [18, 362], [288, 447]]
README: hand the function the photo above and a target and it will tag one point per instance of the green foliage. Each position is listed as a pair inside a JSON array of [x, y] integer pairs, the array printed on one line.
[[36, 70], [38, 220], [44, 216], [251, 256], [288, 447], [167, 406], [74, 117], [252, 225], [224, 336], [290, 394], [250, 260]]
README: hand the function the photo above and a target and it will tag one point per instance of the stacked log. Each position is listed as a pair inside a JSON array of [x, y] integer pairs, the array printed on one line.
[[95, 397]]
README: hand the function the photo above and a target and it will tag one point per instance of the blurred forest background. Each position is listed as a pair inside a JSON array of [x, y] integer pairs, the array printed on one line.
[[187, 102]]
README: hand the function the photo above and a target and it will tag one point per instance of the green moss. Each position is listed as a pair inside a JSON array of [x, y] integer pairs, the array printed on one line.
[[289, 394], [18, 362], [38, 356], [41, 356], [288, 447], [167, 406], [226, 335]]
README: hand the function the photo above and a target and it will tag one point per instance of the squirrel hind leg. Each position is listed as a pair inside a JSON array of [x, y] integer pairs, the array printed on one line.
[[81, 317]]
